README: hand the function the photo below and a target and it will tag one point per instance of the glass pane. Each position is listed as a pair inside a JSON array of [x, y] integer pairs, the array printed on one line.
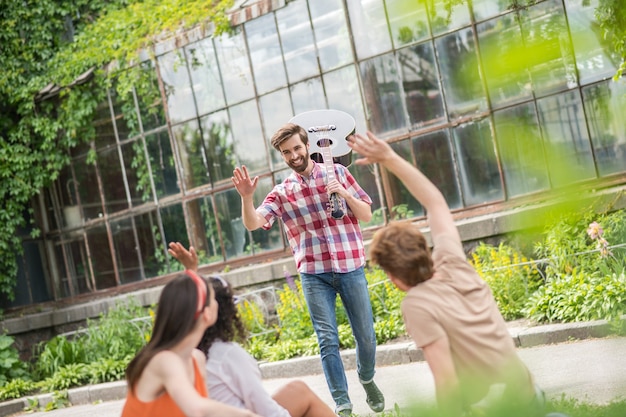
[[408, 21], [88, 190], [234, 66], [265, 53], [189, 140], [549, 51], [219, 145], [521, 150], [126, 251], [205, 76], [446, 15], [137, 173], [265, 240], [420, 82], [101, 259], [103, 125], [151, 107], [250, 147], [175, 230], [401, 203], [569, 150], [331, 33], [234, 234], [207, 241], [435, 159], [343, 93], [369, 27], [364, 175], [459, 72], [504, 60], [384, 101], [594, 58], [125, 128], [308, 95], [75, 269], [478, 165], [484, 9], [151, 246], [605, 106], [113, 181], [162, 164], [296, 36], [177, 85], [48, 209], [68, 196], [275, 112]]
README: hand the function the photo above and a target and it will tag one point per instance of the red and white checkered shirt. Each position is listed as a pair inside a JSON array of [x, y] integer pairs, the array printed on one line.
[[319, 242]]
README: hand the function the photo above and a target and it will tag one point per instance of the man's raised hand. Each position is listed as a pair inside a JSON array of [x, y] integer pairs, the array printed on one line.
[[243, 183]]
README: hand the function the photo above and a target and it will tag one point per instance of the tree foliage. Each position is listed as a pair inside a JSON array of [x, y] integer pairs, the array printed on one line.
[[611, 15]]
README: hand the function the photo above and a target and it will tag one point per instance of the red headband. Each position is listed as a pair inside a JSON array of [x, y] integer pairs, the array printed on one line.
[[202, 288]]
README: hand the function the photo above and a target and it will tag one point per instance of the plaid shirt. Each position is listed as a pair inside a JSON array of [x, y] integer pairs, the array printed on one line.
[[319, 243]]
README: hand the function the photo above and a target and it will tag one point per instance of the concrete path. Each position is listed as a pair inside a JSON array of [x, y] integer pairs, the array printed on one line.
[[593, 370]]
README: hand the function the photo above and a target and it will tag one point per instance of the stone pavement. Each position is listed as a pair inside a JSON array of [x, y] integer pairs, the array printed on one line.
[[395, 363]]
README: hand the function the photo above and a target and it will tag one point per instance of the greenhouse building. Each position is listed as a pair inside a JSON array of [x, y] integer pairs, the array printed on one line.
[[498, 106]]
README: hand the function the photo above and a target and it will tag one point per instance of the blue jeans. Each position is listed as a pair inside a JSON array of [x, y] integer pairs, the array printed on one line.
[[320, 292]]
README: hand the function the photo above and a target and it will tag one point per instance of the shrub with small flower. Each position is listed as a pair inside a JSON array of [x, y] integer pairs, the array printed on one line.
[[586, 271]]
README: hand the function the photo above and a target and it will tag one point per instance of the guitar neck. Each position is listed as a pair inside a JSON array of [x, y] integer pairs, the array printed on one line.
[[329, 165]]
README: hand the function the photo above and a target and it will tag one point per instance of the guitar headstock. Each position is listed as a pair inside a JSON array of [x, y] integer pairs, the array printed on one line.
[[328, 128]]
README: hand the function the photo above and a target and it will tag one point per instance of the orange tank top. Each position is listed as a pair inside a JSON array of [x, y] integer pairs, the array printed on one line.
[[163, 406]]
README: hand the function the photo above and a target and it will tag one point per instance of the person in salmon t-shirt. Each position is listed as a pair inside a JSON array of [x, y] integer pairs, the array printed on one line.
[[449, 311], [166, 377]]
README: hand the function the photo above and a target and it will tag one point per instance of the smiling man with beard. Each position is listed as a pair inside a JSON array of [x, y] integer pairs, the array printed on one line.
[[329, 254]]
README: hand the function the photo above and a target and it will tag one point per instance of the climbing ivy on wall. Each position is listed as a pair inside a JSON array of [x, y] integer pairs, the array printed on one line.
[[53, 42], [611, 16]]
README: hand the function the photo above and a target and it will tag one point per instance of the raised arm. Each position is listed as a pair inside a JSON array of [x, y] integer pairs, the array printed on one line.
[[375, 150], [245, 187]]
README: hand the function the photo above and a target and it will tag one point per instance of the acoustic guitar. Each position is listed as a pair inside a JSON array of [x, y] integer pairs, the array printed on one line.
[[327, 131]]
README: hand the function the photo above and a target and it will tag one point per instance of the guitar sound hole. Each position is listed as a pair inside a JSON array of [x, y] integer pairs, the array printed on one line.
[[322, 143]]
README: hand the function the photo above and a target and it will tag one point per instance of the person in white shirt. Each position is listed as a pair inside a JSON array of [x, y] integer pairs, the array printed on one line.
[[233, 375]]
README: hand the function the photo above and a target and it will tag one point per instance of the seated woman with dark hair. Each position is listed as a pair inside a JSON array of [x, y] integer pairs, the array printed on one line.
[[233, 376], [165, 378]]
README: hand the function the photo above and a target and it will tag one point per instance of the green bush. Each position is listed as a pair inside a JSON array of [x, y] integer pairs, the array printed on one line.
[[293, 313], [57, 353], [579, 297], [107, 370], [10, 365], [119, 333], [389, 329], [384, 296], [16, 388], [585, 276], [257, 347], [568, 244], [68, 376], [116, 335], [510, 275]]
